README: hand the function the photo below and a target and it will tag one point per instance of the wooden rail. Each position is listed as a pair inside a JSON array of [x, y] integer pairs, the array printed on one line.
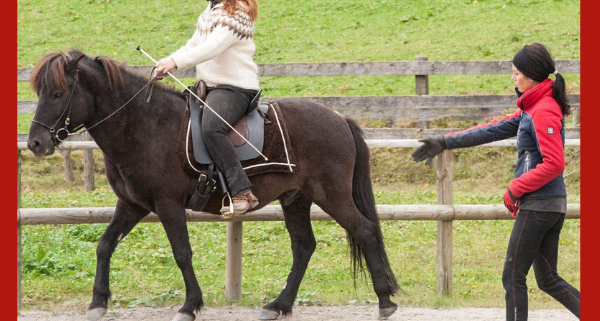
[[370, 142], [273, 213], [416, 108], [372, 133], [409, 68]]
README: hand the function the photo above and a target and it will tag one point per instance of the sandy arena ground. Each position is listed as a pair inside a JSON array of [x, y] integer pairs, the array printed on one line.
[[346, 313]]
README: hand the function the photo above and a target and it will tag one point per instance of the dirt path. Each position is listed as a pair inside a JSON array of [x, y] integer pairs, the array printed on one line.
[[346, 313]]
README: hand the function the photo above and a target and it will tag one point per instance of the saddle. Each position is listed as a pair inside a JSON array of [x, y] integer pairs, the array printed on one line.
[[251, 127]]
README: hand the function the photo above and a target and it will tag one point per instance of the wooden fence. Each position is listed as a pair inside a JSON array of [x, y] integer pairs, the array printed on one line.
[[444, 213], [420, 108]]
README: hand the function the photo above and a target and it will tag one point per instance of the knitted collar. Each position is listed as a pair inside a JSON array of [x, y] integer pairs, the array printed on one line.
[[215, 4], [529, 98]]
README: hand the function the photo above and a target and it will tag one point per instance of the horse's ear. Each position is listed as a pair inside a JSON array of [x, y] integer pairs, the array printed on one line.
[[74, 63]]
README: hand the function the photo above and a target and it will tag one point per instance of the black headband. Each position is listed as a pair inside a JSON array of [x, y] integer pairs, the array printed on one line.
[[530, 67]]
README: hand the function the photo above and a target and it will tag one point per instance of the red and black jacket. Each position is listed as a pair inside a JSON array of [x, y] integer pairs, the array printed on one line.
[[539, 127]]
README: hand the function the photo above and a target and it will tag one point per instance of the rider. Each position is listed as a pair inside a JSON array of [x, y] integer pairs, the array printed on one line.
[[537, 196], [222, 49]]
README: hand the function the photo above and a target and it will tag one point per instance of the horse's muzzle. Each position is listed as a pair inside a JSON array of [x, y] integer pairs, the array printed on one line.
[[40, 148]]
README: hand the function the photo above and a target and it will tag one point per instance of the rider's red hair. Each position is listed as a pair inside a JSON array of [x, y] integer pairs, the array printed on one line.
[[248, 6]]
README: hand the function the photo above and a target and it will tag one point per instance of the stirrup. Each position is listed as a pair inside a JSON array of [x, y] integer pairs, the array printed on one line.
[[231, 212]]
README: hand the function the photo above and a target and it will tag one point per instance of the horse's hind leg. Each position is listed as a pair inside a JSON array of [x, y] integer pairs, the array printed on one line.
[[297, 222], [172, 216], [125, 218], [366, 234]]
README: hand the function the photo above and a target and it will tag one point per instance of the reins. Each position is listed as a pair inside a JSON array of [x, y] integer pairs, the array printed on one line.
[[114, 112]]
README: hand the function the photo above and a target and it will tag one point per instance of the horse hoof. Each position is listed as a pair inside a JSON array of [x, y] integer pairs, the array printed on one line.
[[183, 317], [95, 314], [266, 314], [386, 312]]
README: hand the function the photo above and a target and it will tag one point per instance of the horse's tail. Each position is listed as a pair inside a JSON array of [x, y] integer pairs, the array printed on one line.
[[362, 193]]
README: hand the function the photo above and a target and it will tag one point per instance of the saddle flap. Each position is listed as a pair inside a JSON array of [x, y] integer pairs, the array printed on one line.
[[242, 128]]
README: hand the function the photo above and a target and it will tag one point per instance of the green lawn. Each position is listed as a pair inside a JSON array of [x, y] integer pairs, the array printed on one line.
[[59, 261]]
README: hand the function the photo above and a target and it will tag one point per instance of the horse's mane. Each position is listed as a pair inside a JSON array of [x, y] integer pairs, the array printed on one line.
[[112, 71], [51, 72]]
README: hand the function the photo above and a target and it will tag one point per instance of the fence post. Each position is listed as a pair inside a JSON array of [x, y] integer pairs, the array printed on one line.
[[444, 164], [233, 261], [19, 161], [576, 118], [88, 166], [68, 164], [421, 88]]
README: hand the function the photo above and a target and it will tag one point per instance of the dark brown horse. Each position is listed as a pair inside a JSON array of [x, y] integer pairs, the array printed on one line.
[[140, 146]]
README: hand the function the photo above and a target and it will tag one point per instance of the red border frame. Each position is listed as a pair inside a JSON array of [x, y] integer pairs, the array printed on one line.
[[589, 152], [9, 88], [589, 65]]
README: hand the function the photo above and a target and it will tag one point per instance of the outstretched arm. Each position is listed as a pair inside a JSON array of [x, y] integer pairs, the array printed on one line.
[[504, 128]]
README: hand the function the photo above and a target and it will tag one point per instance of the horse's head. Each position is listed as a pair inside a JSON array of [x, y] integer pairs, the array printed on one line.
[[67, 86]]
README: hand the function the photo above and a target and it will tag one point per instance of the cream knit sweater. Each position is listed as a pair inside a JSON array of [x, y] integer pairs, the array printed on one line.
[[222, 49]]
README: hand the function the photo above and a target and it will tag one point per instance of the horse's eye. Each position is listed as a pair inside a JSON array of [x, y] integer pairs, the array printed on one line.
[[58, 95]]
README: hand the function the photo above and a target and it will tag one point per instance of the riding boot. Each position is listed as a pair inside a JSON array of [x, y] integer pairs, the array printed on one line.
[[241, 203]]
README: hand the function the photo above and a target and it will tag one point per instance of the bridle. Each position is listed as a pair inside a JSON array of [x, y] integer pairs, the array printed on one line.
[[63, 133]]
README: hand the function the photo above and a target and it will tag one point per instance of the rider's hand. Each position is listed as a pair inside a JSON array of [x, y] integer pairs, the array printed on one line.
[[430, 148], [164, 66]]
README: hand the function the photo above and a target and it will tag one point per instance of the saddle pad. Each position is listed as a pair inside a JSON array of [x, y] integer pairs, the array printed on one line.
[[277, 146], [255, 123]]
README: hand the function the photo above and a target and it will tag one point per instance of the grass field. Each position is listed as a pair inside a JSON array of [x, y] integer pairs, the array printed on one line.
[[59, 261]]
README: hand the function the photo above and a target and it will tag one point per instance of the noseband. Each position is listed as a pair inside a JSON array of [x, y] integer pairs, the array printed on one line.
[[62, 133]]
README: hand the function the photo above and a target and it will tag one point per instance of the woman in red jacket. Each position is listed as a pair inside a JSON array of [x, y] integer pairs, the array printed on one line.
[[537, 196]]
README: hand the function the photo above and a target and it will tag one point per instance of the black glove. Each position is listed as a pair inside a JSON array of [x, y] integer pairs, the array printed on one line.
[[431, 147]]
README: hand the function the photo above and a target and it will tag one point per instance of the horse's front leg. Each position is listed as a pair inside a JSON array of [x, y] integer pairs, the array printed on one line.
[[172, 217], [297, 222], [125, 218]]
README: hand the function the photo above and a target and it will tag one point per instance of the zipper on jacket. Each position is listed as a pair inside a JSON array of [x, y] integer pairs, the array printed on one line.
[[527, 159]]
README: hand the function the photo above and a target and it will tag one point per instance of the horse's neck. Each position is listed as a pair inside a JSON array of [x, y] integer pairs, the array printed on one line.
[[140, 126]]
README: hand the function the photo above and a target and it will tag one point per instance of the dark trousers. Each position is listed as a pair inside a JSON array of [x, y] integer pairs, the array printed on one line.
[[534, 240], [232, 106]]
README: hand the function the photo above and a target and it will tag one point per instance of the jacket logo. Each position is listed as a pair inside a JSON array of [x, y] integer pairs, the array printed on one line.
[[550, 130]]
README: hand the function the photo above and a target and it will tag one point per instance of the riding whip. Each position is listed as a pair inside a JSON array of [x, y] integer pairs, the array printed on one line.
[[205, 104]]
